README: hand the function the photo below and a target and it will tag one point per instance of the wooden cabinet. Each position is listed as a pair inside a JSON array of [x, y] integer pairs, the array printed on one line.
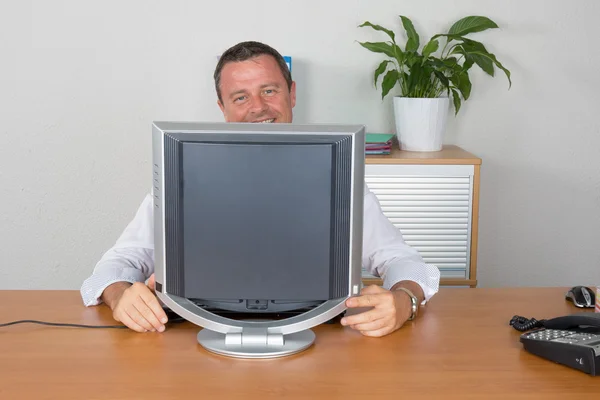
[[433, 198]]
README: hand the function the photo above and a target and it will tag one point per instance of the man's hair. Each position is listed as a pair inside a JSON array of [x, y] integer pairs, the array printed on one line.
[[244, 51]]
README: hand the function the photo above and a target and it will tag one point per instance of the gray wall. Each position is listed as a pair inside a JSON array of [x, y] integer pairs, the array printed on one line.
[[80, 83]]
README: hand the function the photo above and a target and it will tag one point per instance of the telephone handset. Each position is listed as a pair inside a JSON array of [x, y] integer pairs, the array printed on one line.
[[571, 340], [582, 320]]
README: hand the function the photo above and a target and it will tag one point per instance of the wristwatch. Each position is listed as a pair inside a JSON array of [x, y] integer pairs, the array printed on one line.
[[414, 303]]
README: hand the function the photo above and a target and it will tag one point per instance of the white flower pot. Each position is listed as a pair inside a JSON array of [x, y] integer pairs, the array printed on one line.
[[420, 123]]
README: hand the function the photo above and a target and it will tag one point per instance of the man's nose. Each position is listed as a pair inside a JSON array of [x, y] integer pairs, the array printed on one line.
[[258, 105]]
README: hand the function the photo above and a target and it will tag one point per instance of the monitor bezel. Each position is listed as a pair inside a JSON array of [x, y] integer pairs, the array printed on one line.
[[207, 319]]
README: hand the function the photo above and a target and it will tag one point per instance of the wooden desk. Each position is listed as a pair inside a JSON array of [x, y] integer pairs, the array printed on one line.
[[460, 347]]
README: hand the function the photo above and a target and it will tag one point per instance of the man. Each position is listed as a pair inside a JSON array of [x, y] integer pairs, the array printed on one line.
[[254, 84]]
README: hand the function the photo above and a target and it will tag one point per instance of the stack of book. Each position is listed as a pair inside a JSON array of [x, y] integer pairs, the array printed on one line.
[[378, 143]]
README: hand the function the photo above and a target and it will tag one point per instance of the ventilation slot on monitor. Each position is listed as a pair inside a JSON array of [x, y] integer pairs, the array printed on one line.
[[340, 217], [173, 221]]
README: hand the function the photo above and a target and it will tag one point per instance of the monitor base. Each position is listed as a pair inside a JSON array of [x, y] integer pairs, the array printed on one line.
[[255, 343]]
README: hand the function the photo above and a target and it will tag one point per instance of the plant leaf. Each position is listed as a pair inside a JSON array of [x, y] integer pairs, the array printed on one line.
[[473, 45], [379, 47], [478, 52], [412, 58], [437, 64], [463, 83], [484, 62], [389, 81], [415, 78], [404, 80], [380, 70], [430, 47], [457, 50], [450, 61], [499, 65], [379, 28], [443, 79], [492, 59], [398, 53], [467, 64], [413, 37], [456, 100], [471, 24]]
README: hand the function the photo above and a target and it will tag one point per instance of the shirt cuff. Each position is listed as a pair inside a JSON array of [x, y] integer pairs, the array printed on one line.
[[93, 287], [425, 275]]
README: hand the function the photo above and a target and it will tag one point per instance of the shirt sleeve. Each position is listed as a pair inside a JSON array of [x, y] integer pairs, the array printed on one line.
[[131, 259], [386, 254]]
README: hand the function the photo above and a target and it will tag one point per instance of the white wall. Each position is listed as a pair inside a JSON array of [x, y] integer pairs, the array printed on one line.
[[80, 83]]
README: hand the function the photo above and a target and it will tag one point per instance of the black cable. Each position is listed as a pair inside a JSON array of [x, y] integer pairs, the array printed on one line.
[[523, 324], [32, 321]]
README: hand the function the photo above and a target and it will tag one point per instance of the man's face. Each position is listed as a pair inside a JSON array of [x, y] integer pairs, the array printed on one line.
[[256, 91]]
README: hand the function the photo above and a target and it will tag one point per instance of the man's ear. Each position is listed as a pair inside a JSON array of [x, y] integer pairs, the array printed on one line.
[[293, 94], [222, 107]]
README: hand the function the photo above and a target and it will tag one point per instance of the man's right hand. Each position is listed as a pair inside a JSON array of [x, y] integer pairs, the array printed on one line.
[[136, 306]]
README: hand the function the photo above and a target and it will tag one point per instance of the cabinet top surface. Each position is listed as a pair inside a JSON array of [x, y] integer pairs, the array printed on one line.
[[450, 154]]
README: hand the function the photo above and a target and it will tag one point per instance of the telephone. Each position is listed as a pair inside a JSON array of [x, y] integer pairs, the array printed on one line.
[[571, 340]]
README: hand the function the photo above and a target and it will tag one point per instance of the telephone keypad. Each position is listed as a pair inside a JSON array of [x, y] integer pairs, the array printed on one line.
[[562, 336]]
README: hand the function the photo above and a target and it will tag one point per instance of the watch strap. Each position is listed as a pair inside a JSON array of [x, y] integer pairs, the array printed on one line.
[[414, 303]]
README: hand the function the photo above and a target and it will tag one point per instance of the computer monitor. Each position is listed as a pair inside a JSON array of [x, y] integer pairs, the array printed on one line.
[[258, 219]]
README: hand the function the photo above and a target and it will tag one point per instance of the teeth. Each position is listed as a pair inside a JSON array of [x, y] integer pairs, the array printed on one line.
[[267, 121]]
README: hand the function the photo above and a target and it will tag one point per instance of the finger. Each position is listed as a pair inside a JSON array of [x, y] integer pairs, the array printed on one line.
[[377, 333], [131, 324], [152, 282], [368, 300], [372, 289], [371, 326], [151, 301], [148, 315], [362, 318], [135, 315]]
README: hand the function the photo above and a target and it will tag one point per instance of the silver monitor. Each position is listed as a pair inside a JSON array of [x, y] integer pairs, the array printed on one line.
[[257, 230]]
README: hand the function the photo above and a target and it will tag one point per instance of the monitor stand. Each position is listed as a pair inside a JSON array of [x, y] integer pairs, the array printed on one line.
[[255, 343]]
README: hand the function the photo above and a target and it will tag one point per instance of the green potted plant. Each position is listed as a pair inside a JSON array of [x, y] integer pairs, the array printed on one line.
[[429, 77]]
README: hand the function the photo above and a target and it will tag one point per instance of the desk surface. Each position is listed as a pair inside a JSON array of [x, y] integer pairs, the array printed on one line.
[[460, 347]]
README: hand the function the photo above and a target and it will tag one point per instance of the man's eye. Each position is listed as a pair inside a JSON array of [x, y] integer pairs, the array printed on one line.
[[240, 98], [269, 91]]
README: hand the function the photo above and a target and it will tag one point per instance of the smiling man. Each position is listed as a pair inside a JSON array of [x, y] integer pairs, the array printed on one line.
[[254, 88], [254, 84]]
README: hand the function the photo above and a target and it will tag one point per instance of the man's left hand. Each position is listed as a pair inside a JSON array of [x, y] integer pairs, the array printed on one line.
[[391, 309]]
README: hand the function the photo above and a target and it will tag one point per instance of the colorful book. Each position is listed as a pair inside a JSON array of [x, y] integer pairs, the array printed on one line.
[[377, 152], [379, 138], [378, 143]]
